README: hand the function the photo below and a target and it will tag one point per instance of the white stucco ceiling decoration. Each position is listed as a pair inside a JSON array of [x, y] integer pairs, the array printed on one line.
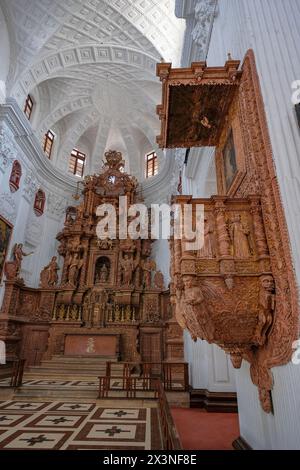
[[90, 64]]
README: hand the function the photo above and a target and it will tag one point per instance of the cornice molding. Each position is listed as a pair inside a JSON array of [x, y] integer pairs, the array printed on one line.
[[15, 119]]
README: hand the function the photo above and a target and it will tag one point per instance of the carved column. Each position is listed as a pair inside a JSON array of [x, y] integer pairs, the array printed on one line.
[[177, 255], [85, 264], [259, 231]]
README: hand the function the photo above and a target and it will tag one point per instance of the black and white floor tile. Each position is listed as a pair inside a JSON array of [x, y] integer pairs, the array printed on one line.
[[65, 425]]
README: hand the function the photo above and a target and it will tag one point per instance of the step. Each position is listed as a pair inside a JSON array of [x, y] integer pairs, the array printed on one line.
[[58, 393], [72, 392], [61, 376], [82, 359], [63, 368]]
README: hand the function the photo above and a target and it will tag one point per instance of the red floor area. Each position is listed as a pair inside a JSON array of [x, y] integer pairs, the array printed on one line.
[[199, 430]]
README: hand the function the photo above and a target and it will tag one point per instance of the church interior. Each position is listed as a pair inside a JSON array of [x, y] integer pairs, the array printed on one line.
[[114, 334]]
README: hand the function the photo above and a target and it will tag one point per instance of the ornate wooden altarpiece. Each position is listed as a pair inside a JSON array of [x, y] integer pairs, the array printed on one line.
[[238, 291], [107, 287]]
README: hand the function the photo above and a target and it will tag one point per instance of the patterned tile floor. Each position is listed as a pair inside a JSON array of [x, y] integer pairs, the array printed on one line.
[[65, 425]]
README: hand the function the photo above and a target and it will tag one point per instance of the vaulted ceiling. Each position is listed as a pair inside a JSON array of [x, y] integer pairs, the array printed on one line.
[[90, 66]]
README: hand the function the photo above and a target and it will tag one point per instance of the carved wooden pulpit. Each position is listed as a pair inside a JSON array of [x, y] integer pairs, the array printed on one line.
[[239, 289]]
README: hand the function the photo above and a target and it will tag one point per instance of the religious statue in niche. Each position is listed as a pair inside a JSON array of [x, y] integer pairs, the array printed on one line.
[[208, 250], [240, 238], [74, 268], [266, 308], [229, 161], [15, 176], [148, 266], [49, 276], [70, 216], [102, 270], [39, 203], [128, 266]]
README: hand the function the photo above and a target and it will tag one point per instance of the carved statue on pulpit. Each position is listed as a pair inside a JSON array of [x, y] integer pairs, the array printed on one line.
[[48, 276], [207, 251], [266, 308], [240, 237]]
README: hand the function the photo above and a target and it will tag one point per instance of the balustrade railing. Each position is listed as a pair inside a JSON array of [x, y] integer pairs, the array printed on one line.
[[110, 314], [131, 386], [13, 373], [66, 313], [173, 375]]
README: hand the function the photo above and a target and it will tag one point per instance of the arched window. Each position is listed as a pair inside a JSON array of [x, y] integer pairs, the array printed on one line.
[[76, 163], [48, 143], [39, 203], [151, 164], [28, 106], [15, 176]]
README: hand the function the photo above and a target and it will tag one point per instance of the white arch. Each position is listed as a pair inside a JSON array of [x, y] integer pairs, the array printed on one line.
[[106, 54]]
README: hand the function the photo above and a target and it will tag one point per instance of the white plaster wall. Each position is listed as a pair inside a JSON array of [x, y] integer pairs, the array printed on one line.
[[161, 256], [38, 234], [5, 56], [271, 29]]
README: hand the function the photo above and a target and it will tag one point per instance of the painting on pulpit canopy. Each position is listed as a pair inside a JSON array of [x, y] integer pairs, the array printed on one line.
[[5, 234], [229, 160]]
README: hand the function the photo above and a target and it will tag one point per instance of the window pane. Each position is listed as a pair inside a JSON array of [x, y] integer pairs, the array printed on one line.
[[76, 162]]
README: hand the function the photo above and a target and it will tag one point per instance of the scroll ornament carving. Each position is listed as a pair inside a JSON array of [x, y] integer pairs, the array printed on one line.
[[30, 187], [56, 205], [8, 150], [204, 15], [8, 207]]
